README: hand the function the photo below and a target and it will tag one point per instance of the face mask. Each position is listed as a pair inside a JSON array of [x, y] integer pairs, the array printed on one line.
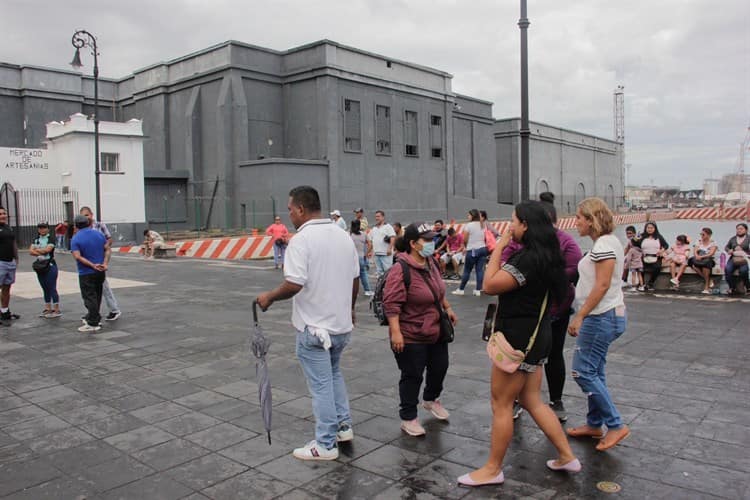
[[427, 249]]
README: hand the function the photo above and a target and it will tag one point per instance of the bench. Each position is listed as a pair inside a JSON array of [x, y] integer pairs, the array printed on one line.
[[165, 252], [691, 281]]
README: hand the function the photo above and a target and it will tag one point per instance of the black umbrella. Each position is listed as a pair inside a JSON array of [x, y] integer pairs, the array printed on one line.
[[260, 346]]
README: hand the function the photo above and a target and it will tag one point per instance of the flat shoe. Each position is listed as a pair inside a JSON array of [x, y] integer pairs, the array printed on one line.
[[610, 442], [466, 480], [584, 431], [572, 466]]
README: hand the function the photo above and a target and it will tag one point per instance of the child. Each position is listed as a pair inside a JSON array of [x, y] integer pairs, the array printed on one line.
[[634, 259], [629, 235], [679, 258], [453, 254]]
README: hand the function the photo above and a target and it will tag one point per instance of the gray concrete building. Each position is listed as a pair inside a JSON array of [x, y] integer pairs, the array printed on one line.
[[231, 128]]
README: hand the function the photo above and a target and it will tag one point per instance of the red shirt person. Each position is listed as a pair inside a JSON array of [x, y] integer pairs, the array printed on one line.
[[280, 235]]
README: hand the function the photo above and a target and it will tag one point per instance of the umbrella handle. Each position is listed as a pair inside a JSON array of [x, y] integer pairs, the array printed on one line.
[[255, 311]]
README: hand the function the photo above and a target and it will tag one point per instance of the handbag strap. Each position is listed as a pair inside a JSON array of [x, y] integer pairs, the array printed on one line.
[[538, 323], [426, 276]]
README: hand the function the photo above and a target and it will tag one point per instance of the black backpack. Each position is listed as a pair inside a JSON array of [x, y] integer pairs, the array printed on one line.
[[376, 302]]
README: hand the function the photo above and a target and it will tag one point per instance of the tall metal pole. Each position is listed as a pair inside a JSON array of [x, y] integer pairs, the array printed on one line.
[[523, 24], [83, 38]]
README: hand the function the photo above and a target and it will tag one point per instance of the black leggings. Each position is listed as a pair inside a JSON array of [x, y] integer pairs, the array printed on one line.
[[412, 362], [653, 271], [555, 367]]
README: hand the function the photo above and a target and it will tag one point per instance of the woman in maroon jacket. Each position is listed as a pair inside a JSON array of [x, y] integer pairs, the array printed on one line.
[[413, 323]]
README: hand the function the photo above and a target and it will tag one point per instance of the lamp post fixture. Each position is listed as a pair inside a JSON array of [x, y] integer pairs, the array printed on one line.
[[81, 39], [525, 132]]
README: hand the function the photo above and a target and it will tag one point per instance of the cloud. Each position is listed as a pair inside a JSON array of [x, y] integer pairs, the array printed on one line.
[[685, 64]]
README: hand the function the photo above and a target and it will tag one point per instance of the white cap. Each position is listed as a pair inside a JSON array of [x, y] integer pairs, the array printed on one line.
[[336, 213]]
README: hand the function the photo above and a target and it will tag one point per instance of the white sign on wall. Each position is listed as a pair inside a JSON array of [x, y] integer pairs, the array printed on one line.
[[27, 168]]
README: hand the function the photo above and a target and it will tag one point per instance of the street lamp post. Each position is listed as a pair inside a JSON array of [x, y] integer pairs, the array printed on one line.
[[525, 132], [83, 38]]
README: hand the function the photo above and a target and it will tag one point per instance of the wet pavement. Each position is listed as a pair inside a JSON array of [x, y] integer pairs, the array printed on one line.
[[162, 404]]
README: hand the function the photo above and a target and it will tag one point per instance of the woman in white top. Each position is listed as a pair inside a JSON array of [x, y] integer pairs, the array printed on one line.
[[702, 260], [654, 247], [599, 320], [475, 252]]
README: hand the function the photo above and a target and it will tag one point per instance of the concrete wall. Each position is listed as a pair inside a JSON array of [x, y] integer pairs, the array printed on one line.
[[570, 164]]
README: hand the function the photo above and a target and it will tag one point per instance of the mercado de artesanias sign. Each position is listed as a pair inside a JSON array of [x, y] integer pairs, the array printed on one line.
[[28, 168]]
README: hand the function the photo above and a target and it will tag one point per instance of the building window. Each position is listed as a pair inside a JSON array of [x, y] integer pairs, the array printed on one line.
[[110, 162], [436, 136], [352, 127], [382, 130], [411, 134]]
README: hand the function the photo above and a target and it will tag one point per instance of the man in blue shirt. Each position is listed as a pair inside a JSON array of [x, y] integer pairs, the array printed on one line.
[[91, 252]]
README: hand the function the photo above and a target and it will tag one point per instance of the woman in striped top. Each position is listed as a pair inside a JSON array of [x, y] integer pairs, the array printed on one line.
[[599, 320]]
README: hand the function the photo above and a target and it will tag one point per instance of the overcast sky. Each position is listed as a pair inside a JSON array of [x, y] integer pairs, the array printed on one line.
[[685, 64]]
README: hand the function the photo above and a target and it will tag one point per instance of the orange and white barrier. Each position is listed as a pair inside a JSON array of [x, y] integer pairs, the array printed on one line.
[[241, 248], [567, 223], [733, 213]]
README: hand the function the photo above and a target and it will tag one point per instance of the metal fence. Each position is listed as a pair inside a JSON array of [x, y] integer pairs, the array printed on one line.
[[28, 207]]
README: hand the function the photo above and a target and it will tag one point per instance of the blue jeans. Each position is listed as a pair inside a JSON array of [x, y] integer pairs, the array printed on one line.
[[60, 242], [729, 270], [597, 332], [474, 258], [326, 384], [278, 254], [383, 263], [363, 273], [48, 282]]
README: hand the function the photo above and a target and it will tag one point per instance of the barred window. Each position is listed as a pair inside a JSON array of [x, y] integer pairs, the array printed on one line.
[[436, 136], [109, 162], [382, 130], [352, 126], [411, 134]]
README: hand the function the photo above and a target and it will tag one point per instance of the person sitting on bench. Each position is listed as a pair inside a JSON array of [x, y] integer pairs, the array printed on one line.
[[151, 241]]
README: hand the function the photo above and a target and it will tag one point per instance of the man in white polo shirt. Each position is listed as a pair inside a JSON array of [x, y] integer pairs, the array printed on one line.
[[382, 237], [321, 272]]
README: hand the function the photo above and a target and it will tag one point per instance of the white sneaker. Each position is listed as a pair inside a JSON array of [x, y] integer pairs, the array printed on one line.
[[313, 451], [369, 294], [477, 293], [457, 291], [345, 433], [675, 281], [89, 328]]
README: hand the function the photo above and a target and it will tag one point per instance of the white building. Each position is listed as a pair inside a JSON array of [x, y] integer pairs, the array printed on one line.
[[53, 184]]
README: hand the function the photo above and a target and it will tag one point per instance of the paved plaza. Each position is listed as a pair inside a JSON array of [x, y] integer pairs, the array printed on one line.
[[162, 404]]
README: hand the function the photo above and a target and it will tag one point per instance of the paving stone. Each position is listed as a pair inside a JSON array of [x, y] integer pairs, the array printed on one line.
[[56, 489], [140, 438], [167, 455], [201, 399], [297, 472], [30, 429], [16, 452], [21, 475], [250, 484], [174, 390], [220, 436], [88, 414], [159, 412], [206, 471], [75, 460], [359, 483], [12, 402], [707, 478], [187, 423], [116, 424], [401, 491], [66, 438], [134, 401], [230, 410], [238, 389], [356, 448], [109, 475], [21, 414], [156, 487], [256, 451], [392, 462]]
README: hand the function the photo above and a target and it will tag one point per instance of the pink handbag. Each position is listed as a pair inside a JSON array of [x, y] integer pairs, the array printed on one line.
[[503, 355]]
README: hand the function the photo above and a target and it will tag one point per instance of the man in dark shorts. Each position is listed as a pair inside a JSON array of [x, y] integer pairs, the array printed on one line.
[[8, 265]]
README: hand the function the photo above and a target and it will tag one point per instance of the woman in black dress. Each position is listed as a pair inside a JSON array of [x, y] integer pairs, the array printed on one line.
[[532, 278]]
